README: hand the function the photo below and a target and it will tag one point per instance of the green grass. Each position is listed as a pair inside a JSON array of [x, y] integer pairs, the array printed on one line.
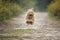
[[18, 32]]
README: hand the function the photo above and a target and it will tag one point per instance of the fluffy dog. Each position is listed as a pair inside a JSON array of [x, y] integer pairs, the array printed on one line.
[[30, 16]]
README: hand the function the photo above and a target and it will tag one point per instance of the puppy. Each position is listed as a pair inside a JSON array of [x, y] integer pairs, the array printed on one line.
[[30, 16]]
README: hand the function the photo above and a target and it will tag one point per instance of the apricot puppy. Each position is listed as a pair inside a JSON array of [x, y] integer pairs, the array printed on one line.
[[30, 17]]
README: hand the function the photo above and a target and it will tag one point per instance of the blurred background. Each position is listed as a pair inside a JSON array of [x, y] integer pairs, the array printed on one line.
[[10, 9]]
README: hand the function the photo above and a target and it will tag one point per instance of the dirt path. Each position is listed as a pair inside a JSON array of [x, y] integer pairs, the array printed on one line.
[[46, 29]]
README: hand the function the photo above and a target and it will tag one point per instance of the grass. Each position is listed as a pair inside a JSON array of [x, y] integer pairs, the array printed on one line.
[[18, 32], [53, 17]]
